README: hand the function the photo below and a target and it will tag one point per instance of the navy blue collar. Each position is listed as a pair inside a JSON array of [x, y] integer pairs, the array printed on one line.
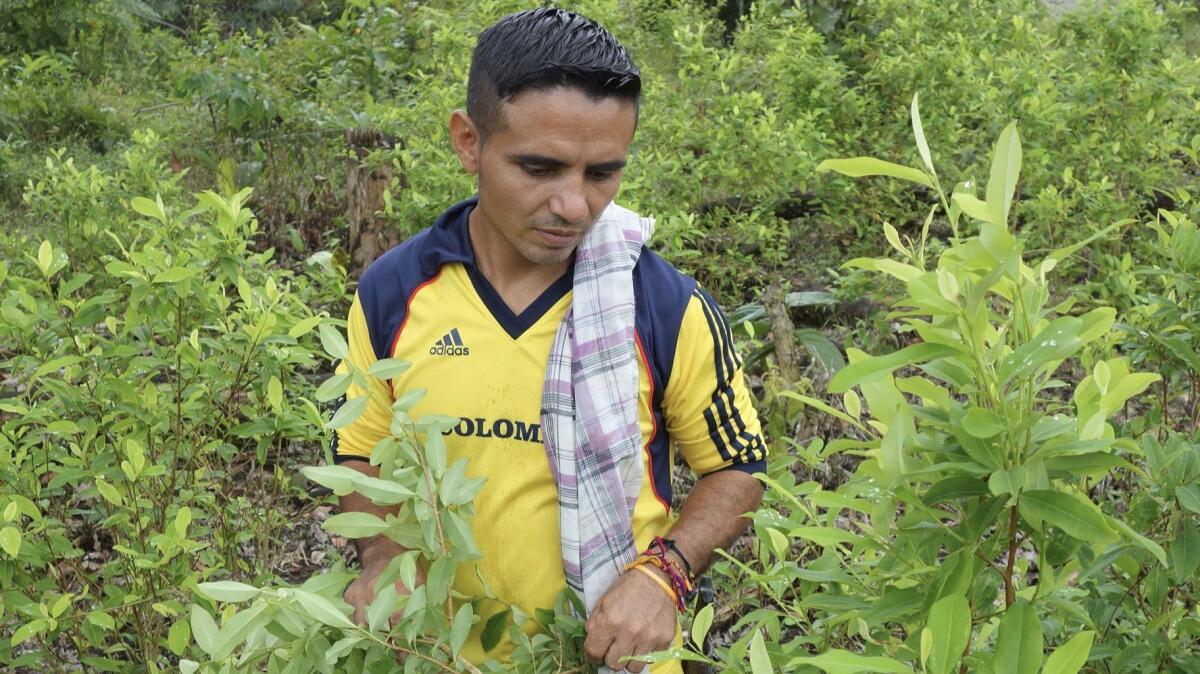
[[449, 241]]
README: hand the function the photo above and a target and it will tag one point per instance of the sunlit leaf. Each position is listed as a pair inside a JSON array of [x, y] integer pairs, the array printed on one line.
[[857, 167]]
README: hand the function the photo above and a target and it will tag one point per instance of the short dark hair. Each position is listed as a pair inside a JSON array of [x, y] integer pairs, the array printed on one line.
[[541, 49]]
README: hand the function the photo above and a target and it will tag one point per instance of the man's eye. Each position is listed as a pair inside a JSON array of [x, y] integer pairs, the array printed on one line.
[[601, 176], [536, 171]]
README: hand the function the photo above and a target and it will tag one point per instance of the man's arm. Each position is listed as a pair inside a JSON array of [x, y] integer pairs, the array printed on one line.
[[636, 617], [374, 553], [710, 415]]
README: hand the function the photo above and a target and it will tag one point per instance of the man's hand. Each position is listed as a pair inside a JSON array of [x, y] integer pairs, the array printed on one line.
[[374, 553], [361, 592], [634, 617]]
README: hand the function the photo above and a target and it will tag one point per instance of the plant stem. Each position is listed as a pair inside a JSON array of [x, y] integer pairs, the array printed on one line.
[[1010, 595]]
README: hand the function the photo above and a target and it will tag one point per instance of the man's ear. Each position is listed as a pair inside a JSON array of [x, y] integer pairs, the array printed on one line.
[[465, 138]]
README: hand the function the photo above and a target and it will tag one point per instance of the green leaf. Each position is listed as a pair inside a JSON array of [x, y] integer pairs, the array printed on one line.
[[1019, 644], [972, 206], [27, 631], [1055, 342], [844, 662], [382, 492], [333, 342], [823, 407], [919, 132], [1189, 497], [178, 637], [1185, 552], [1074, 515], [341, 648], [339, 479], [101, 619], [950, 624], [857, 167], [55, 365], [204, 629], [275, 392], [760, 661], [175, 275], [382, 607], [1006, 167], [237, 629], [10, 541], [982, 423], [349, 412], [825, 536], [321, 608], [876, 368], [303, 326], [334, 387], [493, 629], [1146, 544], [355, 525], [227, 590], [901, 429], [1070, 657], [700, 626], [388, 368], [408, 399], [439, 578], [148, 208], [955, 488], [45, 258], [188, 666], [460, 628]]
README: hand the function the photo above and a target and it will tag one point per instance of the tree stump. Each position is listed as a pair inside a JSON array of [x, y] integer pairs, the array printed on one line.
[[783, 334], [370, 234]]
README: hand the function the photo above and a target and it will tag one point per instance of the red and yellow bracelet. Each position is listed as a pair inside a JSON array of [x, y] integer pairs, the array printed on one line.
[[661, 583], [682, 585]]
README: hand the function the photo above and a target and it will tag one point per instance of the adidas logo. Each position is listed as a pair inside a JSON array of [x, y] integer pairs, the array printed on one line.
[[450, 344]]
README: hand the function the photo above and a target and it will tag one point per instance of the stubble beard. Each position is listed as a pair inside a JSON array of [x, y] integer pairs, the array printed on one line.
[[548, 256]]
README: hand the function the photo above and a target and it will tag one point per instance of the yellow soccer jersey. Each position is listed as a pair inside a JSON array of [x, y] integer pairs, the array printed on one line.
[[426, 302]]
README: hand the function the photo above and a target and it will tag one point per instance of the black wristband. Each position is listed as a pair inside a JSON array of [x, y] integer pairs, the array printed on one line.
[[687, 566]]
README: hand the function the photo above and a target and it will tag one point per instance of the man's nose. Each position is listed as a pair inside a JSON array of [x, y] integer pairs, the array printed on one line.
[[570, 203]]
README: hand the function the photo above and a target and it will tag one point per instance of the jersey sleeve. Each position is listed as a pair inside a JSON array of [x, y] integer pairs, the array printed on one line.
[[356, 440], [708, 409]]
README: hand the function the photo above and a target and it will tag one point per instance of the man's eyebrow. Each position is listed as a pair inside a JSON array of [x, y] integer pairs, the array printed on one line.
[[551, 162]]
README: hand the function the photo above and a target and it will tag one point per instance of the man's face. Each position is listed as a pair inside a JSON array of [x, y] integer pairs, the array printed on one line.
[[547, 174]]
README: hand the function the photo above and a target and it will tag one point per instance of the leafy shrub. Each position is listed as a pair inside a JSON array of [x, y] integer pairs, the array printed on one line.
[[969, 533], [1105, 96], [135, 393], [308, 628]]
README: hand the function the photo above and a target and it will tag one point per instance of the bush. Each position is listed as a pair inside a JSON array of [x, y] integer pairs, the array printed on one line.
[[136, 392]]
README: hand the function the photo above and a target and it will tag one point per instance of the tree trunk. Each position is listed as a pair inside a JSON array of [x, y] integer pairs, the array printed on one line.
[[371, 235]]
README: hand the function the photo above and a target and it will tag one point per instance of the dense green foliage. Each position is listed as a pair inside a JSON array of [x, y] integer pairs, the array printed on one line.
[[1010, 484]]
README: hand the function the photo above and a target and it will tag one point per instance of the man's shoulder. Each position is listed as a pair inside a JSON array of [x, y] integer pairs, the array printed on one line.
[[397, 270], [659, 283], [386, 286]]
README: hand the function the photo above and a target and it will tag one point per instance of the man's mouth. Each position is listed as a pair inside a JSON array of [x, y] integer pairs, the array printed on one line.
[[558, 237]]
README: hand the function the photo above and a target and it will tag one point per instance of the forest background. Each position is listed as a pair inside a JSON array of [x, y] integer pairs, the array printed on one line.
[[1011, 485]]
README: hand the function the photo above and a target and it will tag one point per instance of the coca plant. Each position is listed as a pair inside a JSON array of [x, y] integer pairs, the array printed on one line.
[[309, 628], [967, 535]]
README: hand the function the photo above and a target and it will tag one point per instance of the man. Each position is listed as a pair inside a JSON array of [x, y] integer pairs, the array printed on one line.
[[492, 303]]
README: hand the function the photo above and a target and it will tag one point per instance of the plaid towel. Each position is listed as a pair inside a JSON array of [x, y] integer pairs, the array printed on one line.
[[589, 407]]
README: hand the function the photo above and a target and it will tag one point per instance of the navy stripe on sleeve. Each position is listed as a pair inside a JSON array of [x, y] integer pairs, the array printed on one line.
[[725, 424]]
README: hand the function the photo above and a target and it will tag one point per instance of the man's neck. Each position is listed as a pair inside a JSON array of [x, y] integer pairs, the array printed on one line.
[[517, 280]]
